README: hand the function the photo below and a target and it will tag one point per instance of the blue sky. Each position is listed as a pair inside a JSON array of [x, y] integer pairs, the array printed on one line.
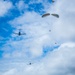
[[52, 53], [14, 12], [6, 29]]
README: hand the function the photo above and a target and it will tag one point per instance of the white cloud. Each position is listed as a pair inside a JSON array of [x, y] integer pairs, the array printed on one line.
[[10, 72], [62, 28], [21, 5], [4, 7], [27, 17], [57, 62]]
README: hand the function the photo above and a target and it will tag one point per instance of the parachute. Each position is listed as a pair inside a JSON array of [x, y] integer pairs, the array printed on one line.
[[47, 14], [44, 15], [56, 15]]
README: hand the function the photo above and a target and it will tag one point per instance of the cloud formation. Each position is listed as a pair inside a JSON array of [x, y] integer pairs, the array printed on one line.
[[36, 27], [4, 7], [60, 61], [57, 61]]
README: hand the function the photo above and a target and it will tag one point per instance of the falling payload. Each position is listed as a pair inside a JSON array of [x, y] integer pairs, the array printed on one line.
[[29, 63], [47, 14]]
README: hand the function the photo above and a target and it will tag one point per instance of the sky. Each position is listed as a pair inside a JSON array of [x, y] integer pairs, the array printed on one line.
[[51, 53]]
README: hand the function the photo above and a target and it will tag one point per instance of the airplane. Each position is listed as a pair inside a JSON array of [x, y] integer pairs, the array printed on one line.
[[19, 33]]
